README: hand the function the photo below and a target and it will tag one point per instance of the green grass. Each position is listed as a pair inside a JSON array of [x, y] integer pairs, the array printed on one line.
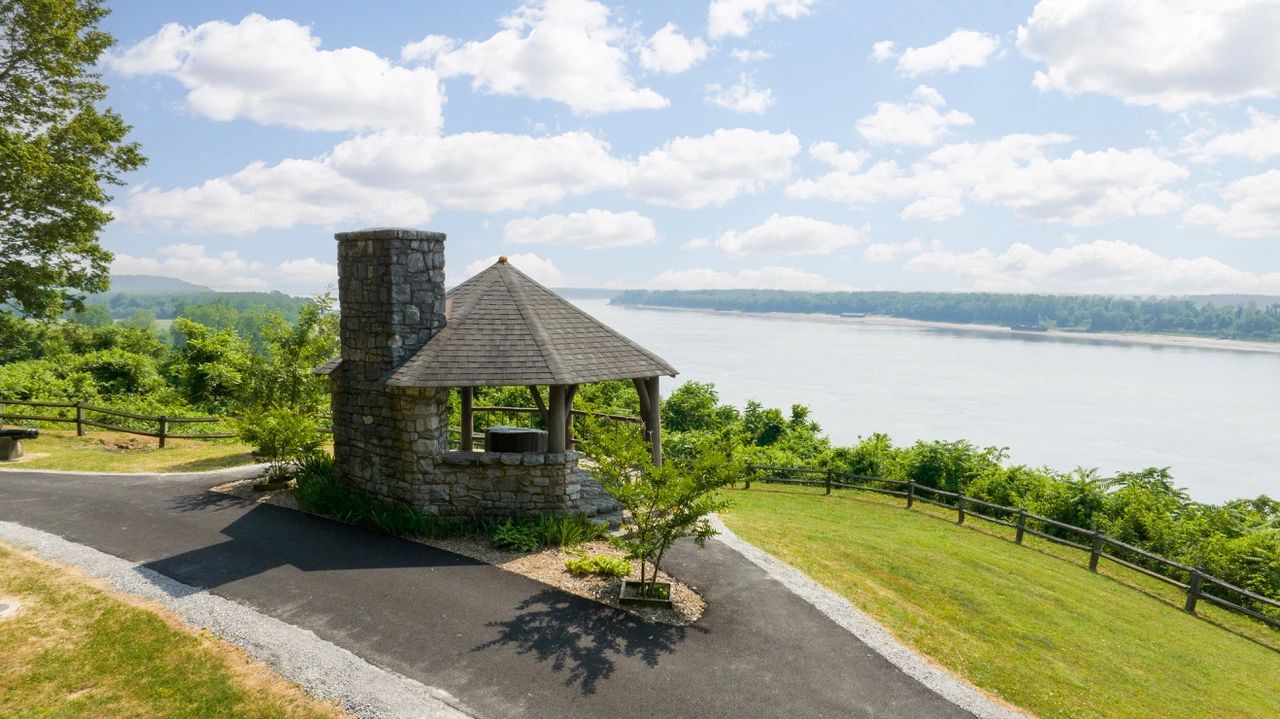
[[75, 651], [1028, 624], [120, 452]]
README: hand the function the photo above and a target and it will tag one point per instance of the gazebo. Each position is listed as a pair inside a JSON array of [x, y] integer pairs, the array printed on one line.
[[406, 344]]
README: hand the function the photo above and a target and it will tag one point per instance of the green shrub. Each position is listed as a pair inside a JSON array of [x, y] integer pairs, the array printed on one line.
[[598, 565], [516, 537], [320, 492], [530, 535], [282, 436]]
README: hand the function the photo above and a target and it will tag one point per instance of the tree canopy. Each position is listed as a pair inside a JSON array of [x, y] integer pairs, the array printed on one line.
[[58, 151]]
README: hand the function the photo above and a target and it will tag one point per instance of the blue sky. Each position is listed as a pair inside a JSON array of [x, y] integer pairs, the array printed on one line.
[[1060, 146]]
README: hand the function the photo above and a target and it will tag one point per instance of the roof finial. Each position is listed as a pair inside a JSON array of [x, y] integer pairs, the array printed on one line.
[[502, 259]]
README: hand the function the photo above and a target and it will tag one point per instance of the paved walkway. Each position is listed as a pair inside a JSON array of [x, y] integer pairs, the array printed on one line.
[[502, 644]]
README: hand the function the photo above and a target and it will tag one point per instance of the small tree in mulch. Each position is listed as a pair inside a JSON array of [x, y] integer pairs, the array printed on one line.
[[667, 502]]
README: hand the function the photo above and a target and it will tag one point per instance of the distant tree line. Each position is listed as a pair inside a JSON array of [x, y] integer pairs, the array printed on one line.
[[1083, 313], [171, 305]]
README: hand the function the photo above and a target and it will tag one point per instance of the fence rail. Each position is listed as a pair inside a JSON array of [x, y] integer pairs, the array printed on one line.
[[1096, 543], [163, 423], [81, 421]]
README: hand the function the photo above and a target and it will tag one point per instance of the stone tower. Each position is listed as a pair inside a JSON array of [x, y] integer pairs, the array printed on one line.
[[391, 293]]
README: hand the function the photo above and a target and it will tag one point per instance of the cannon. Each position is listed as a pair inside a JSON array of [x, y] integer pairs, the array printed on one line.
[[11, 442], [20, 433]]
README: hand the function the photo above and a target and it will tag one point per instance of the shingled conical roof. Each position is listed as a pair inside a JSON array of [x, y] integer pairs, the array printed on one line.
[[503, 328]]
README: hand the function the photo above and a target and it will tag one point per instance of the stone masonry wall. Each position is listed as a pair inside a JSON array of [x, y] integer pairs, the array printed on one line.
[[502, 484], [391, 296]]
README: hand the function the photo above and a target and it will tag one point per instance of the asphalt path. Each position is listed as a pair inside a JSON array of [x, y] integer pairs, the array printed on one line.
[[503, 644]]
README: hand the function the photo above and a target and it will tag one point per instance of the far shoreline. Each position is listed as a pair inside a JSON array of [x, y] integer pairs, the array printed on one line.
[[1114, 338]]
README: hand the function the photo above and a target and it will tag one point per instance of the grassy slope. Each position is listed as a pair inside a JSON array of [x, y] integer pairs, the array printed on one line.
[[75, 651], [118, 452], [1029, 624]]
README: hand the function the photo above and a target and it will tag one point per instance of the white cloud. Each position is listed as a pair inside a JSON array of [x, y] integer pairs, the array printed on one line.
[[917, 122], [1017, 172], [272, 72], [400, 178], [742, 97], [385, 178], [697, 243], [306, 276], [882, 50], [694, 172], [563, 50], [540, 269], [229, 272], [830, 153], [483, 171], [744, 55], [884, 252], [1167, 53], [962, 48], [1104, 266], [669, 51], [933, 209], [1253, 208], [591, 230], [763, 278], [1260, 142], [784, 236], [736, 17], [291, 193]]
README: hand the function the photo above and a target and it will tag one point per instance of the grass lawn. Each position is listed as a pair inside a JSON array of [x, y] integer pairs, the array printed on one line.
[[120, 452], [74, 650], [1029, 624]]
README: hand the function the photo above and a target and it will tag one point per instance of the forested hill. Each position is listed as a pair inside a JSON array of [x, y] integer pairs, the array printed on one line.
[[166, 298], [1090, 313]]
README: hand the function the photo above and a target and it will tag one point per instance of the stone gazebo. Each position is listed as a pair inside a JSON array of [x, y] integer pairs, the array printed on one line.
[[406, 344]]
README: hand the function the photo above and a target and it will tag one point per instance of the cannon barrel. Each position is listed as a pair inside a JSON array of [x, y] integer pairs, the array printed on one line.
[[19, 433]]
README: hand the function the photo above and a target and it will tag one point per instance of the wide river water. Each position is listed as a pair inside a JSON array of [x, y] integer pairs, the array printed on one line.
[[1211, 415]]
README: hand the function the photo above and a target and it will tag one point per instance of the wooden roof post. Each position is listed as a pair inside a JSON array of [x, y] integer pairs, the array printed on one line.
[[642, 392], [468, 422], [655, 419], [556, 420], [569, 392]]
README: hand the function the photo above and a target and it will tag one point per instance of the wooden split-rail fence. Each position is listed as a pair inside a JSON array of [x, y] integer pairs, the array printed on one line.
[[85, 416], [1196, 584]]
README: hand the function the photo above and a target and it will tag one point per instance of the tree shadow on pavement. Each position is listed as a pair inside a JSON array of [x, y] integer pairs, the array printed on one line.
[[582, 638]]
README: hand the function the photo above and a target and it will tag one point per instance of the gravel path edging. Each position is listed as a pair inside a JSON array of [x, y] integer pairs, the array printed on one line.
[[320, 667], [839, 610]]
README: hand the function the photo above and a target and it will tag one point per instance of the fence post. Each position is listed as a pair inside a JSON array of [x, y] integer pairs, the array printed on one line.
[[164, 430], [1022, 525], [79, 419], [746, 480], [1096, 552], [829, 473], [911, 492], [960, 508], [1193, 591]]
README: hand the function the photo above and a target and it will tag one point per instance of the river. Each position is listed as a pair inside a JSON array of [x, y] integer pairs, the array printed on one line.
[[1211, 415]]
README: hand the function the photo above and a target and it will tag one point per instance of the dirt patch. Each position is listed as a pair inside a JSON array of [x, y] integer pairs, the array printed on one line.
[[125, 444], [546, 566]]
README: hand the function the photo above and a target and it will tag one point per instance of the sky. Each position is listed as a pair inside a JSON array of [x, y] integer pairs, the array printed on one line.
[[1081, 146]]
